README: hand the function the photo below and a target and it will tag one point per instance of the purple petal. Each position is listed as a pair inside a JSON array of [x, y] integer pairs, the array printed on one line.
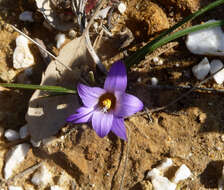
[[102, 123], [83, 115], [116, 78], [127, 104], [89, 95], [118, 128]]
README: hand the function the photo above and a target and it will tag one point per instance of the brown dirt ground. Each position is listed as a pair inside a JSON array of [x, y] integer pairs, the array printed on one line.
[[190, 132]]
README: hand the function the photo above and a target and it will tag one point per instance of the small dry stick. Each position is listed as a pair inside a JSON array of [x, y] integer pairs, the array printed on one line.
[[126, 159], [49, 53], [88, 42], [25, 172]]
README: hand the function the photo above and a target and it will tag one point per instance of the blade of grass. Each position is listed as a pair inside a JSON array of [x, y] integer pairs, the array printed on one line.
[[150, 48], [137, 56], [57, 89]]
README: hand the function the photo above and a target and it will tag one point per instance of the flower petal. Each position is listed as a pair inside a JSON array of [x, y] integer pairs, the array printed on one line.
[[118, 128], [116, 78], [102, 123], [127, 104], [89, 95], [83, 115]]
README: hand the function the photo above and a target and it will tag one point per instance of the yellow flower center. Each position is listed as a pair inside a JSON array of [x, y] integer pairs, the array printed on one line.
[[107, 103]]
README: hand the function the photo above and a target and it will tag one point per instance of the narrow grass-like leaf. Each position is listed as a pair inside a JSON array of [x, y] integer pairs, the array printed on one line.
[[140, 54], [57, 89]]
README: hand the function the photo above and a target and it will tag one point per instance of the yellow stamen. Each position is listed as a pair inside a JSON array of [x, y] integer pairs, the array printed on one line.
[[107, 103]]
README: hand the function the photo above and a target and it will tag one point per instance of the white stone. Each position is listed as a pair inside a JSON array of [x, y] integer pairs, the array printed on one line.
[[14, 157], [217, 64], [155, 59], [208, 41], [153, 173], [202, 69], [22, 57], [35, 143], [182, 173], [11, 135], [167, 163], [121, 7], [60, 39], [23, 132], [42, 177], [15, 188], [160, 62], [56, 187], [162, 183], [26, 16], [154, 81]]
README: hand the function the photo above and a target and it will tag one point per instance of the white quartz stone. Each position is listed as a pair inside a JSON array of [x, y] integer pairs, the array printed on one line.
[[42, 177], [217, 64], [155, 59], [60, 39], [182, 173], [56, 187], [122, 7], [201, 70], [35, 143], [162, 183], [14, 157], [26, 16], [15, 188], [153, 173], [154, 81], [22, 56], [208, 41], [11, 135], [23, 132]]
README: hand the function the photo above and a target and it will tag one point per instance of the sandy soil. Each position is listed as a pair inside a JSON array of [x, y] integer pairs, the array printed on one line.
[[190, 132]]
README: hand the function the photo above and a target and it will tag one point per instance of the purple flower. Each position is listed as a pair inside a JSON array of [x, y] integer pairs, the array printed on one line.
[[106, 107]]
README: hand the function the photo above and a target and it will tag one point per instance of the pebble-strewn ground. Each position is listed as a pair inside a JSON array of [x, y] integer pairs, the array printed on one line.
[[190, 132]]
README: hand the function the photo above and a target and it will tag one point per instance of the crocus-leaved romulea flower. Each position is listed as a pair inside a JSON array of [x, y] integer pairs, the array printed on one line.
[[106, 107]]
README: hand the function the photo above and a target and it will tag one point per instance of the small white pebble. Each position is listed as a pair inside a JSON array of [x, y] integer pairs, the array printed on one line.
[[23, 132], [217, 64], [155, 59], [154, 81], [15, 188], [160, 62], [182, 173], [201, 70], [14, 157], [139, 79], [222, 138], [56, 187], [11, 135], [35, 143], [121, 7], [209, 41], [177, 65], [167, 163], [162, 183], [153, 173], [72, 33], [26, 16], [60, 38], [42, 177]]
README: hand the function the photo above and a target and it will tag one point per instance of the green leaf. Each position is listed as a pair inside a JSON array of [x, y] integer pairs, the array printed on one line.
[[141, 53], [57, 89]]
